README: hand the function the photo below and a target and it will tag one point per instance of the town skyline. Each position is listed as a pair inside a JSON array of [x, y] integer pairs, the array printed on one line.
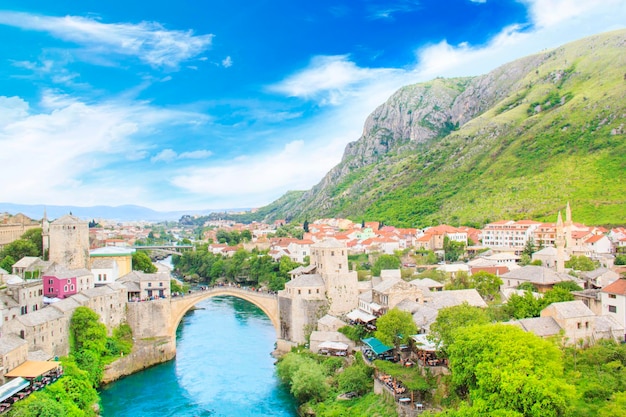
[[213, 107]]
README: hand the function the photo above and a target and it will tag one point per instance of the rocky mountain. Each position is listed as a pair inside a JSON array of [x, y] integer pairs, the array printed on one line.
[[518, 142]]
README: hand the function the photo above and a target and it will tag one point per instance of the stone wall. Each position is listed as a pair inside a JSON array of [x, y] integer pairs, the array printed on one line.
[[149, 319], [146, 353]]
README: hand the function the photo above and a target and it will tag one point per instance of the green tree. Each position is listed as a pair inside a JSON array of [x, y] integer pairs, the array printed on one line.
[[504, 368], [18, 249], [451, 319], [356, 378], [525, 306], [35, 235], [7, 263], [453, 250], [309, 383], [616, 407], [141, 262], [581, 263], [487, 285], [529, 248], [556, 295], [385, 262], [87, 332], [395, 327]]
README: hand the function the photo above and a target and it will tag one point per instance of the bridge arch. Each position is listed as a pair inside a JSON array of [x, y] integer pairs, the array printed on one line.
[[268, 303]]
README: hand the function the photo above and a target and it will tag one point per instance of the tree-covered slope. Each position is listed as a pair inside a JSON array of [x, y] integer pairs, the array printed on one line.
[[515, 143]]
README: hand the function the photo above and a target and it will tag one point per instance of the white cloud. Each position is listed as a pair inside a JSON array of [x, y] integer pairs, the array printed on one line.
[[227, 62], [255, 175], [71, 150], [327, 78], [150, 42], [169, 155]]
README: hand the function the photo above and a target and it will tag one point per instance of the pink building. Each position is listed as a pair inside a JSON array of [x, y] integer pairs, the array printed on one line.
[[59, 282]]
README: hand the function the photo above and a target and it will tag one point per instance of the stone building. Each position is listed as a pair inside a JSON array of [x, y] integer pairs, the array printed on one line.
[[66, 241], [13, 227], [13, 352], [27, 294], [326, 286], [46, 329], [142, 286]]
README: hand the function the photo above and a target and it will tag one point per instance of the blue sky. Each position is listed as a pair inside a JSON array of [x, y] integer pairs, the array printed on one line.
[[199, 104]]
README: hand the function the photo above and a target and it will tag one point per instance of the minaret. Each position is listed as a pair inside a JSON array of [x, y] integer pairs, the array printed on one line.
[[45, 235], [560, 245], [568, 228]]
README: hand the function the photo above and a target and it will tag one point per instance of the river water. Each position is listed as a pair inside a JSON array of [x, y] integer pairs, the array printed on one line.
[[223, 367]]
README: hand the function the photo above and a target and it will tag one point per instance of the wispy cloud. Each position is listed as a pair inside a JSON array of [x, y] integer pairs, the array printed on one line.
[[150, 42], [387, 10], [168, 155]]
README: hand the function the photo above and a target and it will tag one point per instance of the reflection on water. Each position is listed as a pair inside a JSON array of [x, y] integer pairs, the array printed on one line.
[[223, 368]]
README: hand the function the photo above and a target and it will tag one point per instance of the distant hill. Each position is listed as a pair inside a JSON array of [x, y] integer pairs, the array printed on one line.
[[120, 213], [518, 142]]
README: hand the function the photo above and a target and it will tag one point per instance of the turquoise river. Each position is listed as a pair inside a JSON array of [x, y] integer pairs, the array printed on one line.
[[223, 367]]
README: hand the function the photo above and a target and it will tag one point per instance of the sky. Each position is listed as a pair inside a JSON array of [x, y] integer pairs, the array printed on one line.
[[206, 104]]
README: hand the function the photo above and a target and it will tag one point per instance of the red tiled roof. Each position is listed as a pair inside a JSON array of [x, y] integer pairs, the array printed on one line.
[[594, 238], [617, 287]]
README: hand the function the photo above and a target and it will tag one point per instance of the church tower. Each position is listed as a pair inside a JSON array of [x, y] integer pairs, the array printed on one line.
[[560, 245]]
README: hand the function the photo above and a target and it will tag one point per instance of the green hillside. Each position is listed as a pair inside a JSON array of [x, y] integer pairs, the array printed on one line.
[[558, 136]]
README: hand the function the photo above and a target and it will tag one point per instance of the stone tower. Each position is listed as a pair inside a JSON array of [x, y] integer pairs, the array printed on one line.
[[330, 258], [68, 239], [560, 245]]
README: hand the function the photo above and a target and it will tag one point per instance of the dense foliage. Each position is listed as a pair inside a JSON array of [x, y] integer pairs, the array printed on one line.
[[142, 262], [504, 369], [254, 268], [316, 381], [395, 327], [29, 244]]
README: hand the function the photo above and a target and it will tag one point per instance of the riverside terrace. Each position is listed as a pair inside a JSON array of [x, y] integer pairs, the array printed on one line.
[[29, 377]]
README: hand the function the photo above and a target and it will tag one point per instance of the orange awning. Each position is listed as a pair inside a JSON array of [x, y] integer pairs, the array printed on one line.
[[33, 369]]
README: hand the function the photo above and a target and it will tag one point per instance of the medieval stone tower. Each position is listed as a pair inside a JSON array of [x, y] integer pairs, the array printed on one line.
[[67, 241], [325, 286], [330, 258]]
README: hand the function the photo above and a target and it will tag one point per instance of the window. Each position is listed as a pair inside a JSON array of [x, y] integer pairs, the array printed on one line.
[[65, 288], [160, 284], [612, 309], [299, 292], [149, 284], [309, 291], [612, 296]]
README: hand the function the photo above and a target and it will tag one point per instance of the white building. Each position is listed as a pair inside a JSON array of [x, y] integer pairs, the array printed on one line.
[[613, 298]]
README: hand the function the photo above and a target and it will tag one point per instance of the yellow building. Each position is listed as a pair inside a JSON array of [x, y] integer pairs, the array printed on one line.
[[123, 257]]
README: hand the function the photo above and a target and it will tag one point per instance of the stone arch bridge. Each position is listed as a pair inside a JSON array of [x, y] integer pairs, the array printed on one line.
[[268, 303]]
